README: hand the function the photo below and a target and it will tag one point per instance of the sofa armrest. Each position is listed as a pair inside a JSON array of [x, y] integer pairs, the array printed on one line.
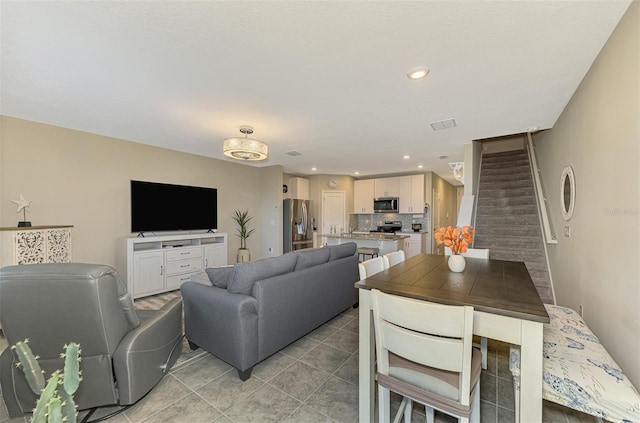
[[146, 353], [223, 323]]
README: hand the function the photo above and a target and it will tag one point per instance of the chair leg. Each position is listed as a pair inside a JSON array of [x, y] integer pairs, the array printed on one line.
[[475, 411], [430, 414], [384, 404], [483, 349], [407, 410], [401, 410]]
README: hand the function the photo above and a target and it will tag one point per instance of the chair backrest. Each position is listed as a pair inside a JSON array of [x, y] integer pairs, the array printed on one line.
[[372, 266], [395, 257], [56, 303], [471, 252], [429, 334]]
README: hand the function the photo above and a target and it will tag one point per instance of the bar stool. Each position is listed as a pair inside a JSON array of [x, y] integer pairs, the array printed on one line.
[[367, 251]]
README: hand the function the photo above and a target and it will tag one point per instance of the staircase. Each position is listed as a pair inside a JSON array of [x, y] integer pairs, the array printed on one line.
[[507, 221]]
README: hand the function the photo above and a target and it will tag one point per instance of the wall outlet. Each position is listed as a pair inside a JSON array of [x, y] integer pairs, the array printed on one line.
[[581, 311], [567, 231]]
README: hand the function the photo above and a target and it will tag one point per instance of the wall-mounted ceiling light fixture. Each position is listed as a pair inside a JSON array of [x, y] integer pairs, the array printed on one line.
[[245, 148], [418, 73], [458, 171]]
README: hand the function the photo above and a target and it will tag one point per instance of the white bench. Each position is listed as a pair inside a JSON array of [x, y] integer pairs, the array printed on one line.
[[578, 372]]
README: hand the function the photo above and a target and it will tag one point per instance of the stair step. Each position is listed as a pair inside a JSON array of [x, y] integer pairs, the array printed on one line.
[[496, 180], [506, 172], [497, 242], [500, 164], [513, 220], [483, 230], [491, 210], [490, 184], [506, 156], [522, 200]]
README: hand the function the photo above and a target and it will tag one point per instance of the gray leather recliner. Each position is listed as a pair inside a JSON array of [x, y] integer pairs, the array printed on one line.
[[124, 353]]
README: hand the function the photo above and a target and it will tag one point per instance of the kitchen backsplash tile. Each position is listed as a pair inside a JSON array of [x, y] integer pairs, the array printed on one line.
[[372, 221]]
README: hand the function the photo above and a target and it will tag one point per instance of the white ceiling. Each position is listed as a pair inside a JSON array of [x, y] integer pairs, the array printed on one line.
[[327, 79]]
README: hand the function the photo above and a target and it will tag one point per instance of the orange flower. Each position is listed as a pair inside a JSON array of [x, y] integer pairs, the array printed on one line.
[[456, 239]]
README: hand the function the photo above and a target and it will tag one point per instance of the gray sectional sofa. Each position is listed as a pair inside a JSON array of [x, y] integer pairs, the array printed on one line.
[[249, 311]]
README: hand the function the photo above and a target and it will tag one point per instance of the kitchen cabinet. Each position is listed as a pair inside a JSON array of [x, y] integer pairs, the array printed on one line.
[[363, 194], [414, 244], [386, 187], [411, 194]]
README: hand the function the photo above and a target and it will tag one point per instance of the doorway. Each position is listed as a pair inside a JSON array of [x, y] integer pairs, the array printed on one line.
[[333, 212]]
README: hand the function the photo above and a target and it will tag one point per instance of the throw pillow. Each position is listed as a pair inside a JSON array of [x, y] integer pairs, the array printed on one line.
[[247, 273], [220, 276], [342, 250], [311, 257]]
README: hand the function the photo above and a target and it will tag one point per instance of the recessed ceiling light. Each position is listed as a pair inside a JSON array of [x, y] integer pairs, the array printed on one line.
[[418, 73], [420, 166], [406, 157], [314, 168], [356, 173]]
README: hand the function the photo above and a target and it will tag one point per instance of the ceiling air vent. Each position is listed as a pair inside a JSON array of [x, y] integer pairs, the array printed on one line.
[[293, 153], [443, 124]]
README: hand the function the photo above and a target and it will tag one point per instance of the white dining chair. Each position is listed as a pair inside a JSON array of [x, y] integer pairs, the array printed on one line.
[[395, 257], [372, 266], [484, 254], [424, 353]]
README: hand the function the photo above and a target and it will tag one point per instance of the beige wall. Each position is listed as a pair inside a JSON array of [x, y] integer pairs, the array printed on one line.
[[82, 179], [598, 134], [319, 183]]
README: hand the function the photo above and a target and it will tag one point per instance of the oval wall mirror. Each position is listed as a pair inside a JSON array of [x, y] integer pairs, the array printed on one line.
[[567, 192]]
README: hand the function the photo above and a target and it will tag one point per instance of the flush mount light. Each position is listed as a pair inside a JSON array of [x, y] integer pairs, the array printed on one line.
[[245, 148], [417, 73]]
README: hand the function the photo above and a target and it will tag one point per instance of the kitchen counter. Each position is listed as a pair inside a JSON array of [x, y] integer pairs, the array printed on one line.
[[384, 242], [374, 236]]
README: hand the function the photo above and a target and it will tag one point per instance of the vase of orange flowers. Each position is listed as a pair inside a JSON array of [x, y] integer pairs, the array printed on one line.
[[457, 240]]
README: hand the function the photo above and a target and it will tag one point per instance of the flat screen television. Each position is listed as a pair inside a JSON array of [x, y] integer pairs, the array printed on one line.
[[166, 207]]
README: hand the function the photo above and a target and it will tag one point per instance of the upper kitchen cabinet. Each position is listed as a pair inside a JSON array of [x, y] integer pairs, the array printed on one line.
[[363, 194], [387, 187], [298, 188], [411, 194]]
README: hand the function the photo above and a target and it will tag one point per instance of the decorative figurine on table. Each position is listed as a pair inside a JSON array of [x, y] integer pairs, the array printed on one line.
[[22, 205]]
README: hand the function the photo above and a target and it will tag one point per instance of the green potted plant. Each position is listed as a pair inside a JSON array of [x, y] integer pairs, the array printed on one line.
[[55, 402], [242, 218]]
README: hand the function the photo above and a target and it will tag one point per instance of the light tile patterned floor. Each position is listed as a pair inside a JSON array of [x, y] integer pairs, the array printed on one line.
[[312, 380]]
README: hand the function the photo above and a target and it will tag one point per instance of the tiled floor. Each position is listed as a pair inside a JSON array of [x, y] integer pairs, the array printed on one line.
[[312, 380]]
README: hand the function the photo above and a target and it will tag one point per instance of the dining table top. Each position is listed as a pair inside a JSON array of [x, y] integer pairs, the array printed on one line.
[[492, 286]]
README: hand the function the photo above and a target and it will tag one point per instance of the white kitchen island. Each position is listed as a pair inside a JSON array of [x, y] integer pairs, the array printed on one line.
[[385, 243]]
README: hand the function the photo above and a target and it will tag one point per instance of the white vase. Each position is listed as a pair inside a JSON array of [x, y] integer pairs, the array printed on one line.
[[243, 255], [456, 263]]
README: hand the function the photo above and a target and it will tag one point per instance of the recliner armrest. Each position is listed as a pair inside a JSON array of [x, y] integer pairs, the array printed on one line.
[[146, 353]]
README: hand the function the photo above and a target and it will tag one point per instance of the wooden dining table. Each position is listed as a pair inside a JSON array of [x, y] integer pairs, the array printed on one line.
[[506, 305]]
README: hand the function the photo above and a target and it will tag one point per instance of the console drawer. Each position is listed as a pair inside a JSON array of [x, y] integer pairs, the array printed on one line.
[[174, 282], [183, 253], [184, 266]]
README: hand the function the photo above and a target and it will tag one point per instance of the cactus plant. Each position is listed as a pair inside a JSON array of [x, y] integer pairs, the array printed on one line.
[[55, 403]]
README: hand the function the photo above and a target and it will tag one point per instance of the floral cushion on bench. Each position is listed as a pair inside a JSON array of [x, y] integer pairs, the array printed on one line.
[[579, 373]]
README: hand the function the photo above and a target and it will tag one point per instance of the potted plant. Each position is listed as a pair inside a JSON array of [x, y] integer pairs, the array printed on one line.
[[242, 218], [457, 240]]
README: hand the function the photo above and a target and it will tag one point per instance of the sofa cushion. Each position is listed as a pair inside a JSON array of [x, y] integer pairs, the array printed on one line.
[[342, 250], [311, 257], [245, 274], [220, 276]]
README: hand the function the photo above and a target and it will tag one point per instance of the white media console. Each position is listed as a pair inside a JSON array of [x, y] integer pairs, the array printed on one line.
[[156, 264]]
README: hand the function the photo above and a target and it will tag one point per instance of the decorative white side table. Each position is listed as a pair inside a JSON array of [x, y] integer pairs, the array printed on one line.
[[35, 244]]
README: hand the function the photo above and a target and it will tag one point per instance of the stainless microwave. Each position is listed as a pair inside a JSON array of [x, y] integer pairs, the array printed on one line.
[[385, 205]]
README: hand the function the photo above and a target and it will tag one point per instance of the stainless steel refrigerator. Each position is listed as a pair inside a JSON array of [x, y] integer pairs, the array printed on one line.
[[298, 231]]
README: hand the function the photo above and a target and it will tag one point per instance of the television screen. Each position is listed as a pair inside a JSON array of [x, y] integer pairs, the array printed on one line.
[[166, 207]]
